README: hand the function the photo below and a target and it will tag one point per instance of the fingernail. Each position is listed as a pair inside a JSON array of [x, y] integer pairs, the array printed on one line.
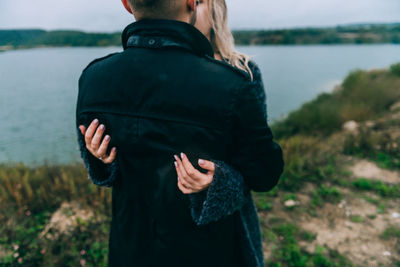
[[114, 149], [107, 137], [96, 121], [201, 162], [176, 157], [176, 164], [182, 155], [101, 127]]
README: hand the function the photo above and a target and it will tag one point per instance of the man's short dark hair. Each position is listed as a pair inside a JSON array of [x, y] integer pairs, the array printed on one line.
[[159, 8]]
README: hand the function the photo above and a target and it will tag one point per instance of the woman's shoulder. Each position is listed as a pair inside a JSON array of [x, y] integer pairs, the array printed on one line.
[[255, 70], [253, 65], [256, 73], [258, 84]]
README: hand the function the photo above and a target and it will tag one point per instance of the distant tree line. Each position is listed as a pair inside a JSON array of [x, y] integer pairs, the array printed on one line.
[[347, 34], [350, 34], [34, 38]]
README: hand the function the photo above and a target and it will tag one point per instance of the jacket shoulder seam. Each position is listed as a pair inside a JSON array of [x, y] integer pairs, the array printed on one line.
[[99, 59], [241, 73]]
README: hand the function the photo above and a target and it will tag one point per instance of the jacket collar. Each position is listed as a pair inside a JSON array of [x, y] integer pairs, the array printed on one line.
[[166, 32]]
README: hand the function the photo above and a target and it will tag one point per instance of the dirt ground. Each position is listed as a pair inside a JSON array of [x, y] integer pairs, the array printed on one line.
[[352, 227]]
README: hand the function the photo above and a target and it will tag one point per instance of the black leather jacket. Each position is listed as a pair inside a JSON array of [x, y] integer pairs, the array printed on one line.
[[165, 94]]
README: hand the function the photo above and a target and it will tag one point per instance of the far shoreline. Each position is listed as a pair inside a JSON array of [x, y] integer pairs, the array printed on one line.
[[347, 34], [13, 48]]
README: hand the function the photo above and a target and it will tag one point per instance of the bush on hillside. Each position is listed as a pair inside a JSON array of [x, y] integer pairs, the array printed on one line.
[[365, 95], [395, 69]]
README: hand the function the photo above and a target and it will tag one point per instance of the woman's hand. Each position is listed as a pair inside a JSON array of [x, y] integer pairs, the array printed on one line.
[[93, 142], [191, 180]]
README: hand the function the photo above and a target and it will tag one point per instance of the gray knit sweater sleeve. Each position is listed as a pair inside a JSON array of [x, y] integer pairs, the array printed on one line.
[[225, 195]]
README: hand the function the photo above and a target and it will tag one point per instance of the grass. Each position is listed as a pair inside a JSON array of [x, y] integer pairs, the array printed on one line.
[[365, 95], [391, 232], [263, 203], [306, 160], [87, 242], [356, 218], [376, 146], [289, 253], [378, 187], [23, 215], [291, 196], [20, 185], [395, 69], [325, 194]]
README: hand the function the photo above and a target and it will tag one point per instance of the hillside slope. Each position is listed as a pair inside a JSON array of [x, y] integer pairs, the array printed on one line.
[[338, 202]]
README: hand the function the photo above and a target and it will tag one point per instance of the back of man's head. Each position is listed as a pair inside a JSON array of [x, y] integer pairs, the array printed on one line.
[[168, 9]]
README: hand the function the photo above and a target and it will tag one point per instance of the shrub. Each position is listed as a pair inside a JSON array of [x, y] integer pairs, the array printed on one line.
[[29, 196], [391, 232], [365, 95], [378, 186], [262, 203], [289, 253], [329, 193], [356, 218], [305, 161], [395, 69], [363, 184]]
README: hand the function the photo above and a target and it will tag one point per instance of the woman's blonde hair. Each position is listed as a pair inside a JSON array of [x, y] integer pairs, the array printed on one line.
[[222, 38]]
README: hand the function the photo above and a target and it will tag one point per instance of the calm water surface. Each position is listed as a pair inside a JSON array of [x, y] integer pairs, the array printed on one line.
[[38, 89]]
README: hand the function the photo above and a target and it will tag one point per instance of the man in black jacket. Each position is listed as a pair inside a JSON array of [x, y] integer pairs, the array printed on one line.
[[162, 95]]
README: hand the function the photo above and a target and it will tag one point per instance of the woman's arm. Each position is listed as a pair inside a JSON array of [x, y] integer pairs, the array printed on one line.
[[228, 191], [258, 83], [254, 153]]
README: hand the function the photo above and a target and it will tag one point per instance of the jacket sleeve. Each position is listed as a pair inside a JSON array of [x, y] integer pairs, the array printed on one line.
[[254, 153], [99, 173], [226, 194]]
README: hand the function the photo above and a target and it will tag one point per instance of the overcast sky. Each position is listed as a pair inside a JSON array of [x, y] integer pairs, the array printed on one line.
[[109, 15]]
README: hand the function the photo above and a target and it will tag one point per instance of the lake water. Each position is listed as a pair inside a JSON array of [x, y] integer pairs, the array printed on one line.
[[38, 89]]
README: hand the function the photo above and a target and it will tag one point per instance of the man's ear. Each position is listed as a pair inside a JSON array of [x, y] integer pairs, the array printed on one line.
[[127, 6], [191, 4]]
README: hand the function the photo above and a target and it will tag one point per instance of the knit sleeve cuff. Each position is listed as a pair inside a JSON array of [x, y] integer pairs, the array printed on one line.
[[225, 195], [99, 173]]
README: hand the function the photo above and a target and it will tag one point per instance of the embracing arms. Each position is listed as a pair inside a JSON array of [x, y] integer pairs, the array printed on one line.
[[254, 153], [256, 161]]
